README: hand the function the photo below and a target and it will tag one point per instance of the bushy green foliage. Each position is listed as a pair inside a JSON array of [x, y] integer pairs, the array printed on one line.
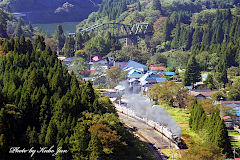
[[114, 8], [41, 104], [212, 126], [234, 93], [192, 73]]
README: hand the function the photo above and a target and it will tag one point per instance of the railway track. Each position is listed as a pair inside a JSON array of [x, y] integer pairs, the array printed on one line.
[[156, 153]]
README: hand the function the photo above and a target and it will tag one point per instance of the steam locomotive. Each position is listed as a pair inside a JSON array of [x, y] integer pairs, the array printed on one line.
[[157, 126]]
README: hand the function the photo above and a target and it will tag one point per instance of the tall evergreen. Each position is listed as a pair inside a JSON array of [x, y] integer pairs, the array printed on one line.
[[60, 37], [175, 41], [222, 139], [197, 117], [206, 39], [192, 73], [156, 5], [3, 24], [197, 36], [95, 148], [222, 72], [139, 7], [68, 48], [18, 31], [79, 41], [167, 30]]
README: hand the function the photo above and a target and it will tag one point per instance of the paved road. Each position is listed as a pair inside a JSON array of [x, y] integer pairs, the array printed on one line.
[[144, 130]]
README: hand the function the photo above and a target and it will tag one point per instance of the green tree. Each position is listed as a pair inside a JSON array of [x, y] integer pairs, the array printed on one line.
[[192, 73], [50, 138], [209, 82], [197, 36], [156, 5], [139, 7], [88, 96], [18, 30], [115, 74], [95, 148], [79, 42], [68, 48], [221, 73], [60, 37], [234, 92], [79, 141], [222, 139], [3, 24], [197, 118]]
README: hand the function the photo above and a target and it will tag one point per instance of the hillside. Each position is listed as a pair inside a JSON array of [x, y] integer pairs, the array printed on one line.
[[41, 104], [134, 11], [45, 11]]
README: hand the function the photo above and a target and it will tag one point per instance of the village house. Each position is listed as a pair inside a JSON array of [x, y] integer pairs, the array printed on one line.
[[201, 94]]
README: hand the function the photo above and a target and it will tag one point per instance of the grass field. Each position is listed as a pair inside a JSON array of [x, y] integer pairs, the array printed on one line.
[[68, 27]]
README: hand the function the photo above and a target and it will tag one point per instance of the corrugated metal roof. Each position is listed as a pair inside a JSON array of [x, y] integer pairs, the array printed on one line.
[[136, 65]]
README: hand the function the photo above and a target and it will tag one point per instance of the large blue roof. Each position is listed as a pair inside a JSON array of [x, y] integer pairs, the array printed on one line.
[[169, 73], [135, 65]]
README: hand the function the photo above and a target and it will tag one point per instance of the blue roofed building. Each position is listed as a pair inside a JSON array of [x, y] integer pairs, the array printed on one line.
[[135, 65], [235, 105], [169, 73], [150, 79]]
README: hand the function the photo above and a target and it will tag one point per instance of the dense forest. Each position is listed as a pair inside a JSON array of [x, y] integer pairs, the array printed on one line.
[[45, 11], [42, 104]]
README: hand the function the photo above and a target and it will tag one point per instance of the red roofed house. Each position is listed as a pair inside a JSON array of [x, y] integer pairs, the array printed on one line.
[[160, 69], [202, 94], [96, 58]]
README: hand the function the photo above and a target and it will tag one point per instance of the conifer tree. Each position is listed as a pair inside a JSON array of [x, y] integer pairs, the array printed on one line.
[[79, 141], [50, 138], [88, 95], [18, 31], [79, 42], [3, 24], [95, 148], [192, 73], [206, 39], [197, 36], [175, 41], [139, 7], [23, 45], [68, 48], [60, 37], [197, 117], [167, 30], [42, 135], [156, 5], [222, 72], [222, 139]]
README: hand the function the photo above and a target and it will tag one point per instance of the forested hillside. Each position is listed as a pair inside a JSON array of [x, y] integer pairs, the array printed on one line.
[[50, 11], [41, 104], [148, 11]]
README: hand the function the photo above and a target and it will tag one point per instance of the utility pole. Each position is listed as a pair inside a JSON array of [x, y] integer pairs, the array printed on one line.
[[234, 152]]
